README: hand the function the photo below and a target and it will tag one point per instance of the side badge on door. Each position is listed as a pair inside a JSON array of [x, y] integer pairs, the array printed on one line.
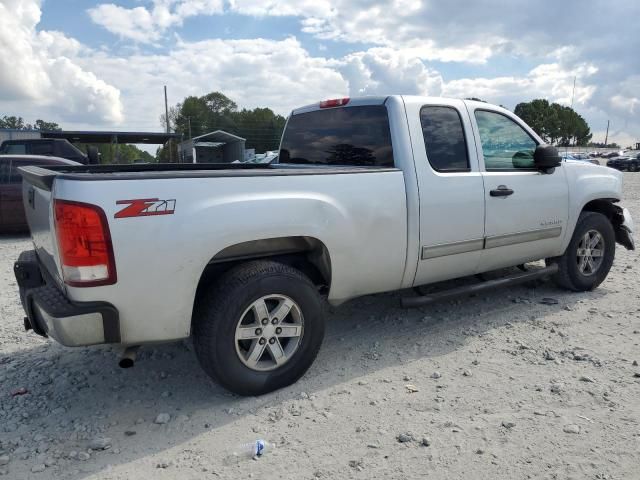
[[144, 207]]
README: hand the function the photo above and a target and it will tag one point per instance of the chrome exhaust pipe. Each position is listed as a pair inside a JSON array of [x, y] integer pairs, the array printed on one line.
[[128, 357]]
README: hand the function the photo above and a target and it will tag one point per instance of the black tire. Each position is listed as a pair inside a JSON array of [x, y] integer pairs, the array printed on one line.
[[220, 310], [569, 275]]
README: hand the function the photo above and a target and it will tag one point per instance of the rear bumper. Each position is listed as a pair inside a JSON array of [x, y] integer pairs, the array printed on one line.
[[50, 313]]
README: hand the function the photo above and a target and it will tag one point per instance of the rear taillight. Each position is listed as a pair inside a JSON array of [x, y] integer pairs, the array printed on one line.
[[84, 243], [335, 102]]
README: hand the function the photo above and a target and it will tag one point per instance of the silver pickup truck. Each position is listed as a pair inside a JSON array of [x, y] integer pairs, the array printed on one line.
[[368, 195]]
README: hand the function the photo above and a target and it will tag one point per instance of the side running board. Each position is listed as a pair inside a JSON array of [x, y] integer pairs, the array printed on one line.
[[514, 279]]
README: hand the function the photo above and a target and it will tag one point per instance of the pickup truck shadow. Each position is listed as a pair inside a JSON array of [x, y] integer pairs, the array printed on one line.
[[75, 395]]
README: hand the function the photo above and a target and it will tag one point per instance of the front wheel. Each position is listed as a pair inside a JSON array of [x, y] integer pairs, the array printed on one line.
[[259, 328], [588, 258]]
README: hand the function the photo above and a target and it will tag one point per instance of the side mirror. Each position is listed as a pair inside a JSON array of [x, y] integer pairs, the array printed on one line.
[[546, 158]]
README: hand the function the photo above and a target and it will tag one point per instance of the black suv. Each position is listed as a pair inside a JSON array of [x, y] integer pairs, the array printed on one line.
[[629, 162]]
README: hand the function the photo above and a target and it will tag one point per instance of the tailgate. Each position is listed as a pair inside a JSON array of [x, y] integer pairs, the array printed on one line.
[[37, 198]]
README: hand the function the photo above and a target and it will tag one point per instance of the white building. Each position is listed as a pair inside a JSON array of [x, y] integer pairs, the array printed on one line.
[[12, 134], [213, 147]]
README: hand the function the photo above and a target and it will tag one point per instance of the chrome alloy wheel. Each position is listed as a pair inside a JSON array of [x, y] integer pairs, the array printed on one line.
[[269, 332], [590, 252]]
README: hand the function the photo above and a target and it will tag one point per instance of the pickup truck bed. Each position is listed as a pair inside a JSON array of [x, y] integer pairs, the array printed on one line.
[[356, 215], [44, 177], [370, 195]]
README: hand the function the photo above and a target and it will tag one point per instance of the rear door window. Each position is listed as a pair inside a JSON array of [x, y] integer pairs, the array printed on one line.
[[347, 136], [43, 148], [444, 139]]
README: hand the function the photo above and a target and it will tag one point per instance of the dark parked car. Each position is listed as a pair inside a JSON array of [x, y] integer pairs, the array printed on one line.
[[629, 162], [50, 147], [12, 218]]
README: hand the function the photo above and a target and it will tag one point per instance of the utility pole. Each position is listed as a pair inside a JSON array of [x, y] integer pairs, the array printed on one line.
[[166, 118], [189, 120], [573, 94], [606, 137]]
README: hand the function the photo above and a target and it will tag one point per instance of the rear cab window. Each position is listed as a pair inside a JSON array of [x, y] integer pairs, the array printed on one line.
[[444, 139], [356, 136]]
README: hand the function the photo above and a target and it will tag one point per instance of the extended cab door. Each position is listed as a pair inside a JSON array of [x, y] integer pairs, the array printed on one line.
[[526, 210], [451, 192]]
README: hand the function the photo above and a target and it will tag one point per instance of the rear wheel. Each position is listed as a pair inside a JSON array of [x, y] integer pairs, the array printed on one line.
[[259, 328], [588, 258]]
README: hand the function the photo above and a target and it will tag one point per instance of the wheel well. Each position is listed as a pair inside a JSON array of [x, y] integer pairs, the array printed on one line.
[[606, 207], [307, 254]]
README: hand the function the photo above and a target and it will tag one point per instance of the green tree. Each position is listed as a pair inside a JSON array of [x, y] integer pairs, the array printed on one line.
[[555, 123], [261, 127], [125, 153], [162, 153], [538, 115], [46, 126], [220, 104], [16, 123]]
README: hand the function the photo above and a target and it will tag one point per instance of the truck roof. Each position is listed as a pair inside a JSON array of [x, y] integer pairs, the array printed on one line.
[[350, 101], [33, 140], [381, 99]]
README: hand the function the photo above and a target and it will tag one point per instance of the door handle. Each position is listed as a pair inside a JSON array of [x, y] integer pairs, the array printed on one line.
[[501, 191]]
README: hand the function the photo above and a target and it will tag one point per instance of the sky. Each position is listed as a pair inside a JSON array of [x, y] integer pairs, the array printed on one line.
[[89, 64]]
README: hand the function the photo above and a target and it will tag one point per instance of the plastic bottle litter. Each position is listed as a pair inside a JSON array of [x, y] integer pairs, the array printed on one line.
[[253, 450]]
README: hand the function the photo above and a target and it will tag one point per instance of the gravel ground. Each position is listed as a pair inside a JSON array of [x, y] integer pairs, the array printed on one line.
[[526, 382]]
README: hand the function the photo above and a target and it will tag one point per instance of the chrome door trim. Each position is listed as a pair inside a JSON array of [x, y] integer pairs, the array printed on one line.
[[466, 246], [445, 249], [522, 237]]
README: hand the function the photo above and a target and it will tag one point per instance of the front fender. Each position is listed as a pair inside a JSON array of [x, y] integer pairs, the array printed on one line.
[[588, 182], [624, 230]]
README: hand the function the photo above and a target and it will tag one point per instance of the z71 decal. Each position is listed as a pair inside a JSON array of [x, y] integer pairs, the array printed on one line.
[[144, 207]]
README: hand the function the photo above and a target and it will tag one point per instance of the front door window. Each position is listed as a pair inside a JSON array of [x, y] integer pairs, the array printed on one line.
[[505, 144]]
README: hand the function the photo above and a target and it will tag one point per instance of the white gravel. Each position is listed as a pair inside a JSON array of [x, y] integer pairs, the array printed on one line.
[[522, 389]]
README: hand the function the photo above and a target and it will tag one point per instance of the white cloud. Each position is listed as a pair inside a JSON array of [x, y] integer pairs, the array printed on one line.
[[394, 44], [36, 68], [380, 71], [146, 25], [398, 24], [550, 81], [267, 73], [321, 8], [133, 23], [626, 100]]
